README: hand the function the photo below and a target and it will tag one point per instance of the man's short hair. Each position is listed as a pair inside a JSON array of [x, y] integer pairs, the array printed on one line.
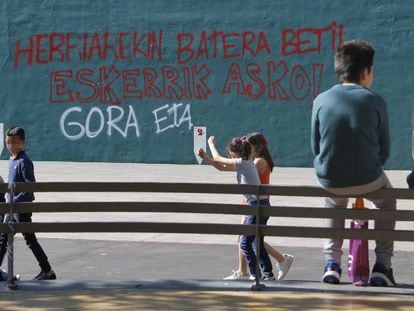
[[351, 58], [16, 131]]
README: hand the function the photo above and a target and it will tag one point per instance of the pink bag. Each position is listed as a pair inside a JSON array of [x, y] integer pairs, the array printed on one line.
[[358, 259]]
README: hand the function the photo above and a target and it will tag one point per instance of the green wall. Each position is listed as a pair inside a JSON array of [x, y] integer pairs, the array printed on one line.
[[126, 81]]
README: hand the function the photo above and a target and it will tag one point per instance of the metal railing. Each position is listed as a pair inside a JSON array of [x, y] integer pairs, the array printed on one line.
[[12, 228]]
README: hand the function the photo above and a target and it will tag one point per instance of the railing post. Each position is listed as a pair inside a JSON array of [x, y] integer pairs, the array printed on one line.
[[257, 285], [10, 240]]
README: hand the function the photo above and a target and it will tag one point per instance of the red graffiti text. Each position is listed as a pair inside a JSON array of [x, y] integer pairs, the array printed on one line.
[[309, 40], [277, 81], [108, 84], [218, 44], [42, 49]]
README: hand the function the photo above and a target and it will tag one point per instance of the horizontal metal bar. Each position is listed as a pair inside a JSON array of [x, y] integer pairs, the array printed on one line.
[[336, 213], [3, 187], [161, 227], [211, 208], [4, 228], [318, 232], [310, 191], [134, 187], [204, 228], [154, 207]]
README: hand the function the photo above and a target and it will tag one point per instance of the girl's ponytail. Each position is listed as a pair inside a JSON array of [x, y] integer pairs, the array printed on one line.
[[246, 150], [259, 142], [241, 146]]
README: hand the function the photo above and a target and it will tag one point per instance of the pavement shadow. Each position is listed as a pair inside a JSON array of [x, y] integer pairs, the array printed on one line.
[[202, 295]]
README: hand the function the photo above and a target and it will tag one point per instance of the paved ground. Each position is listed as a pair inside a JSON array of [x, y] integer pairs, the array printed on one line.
[[165, 271], [109, 275]]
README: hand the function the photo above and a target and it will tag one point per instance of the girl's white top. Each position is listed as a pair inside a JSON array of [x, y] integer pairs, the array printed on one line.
[[247, 175]]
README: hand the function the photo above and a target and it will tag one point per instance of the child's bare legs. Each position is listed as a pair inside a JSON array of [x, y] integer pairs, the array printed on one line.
[[242, 270], [270, 250], [242, 261], [274, 253], [280, 258], [284, 261]]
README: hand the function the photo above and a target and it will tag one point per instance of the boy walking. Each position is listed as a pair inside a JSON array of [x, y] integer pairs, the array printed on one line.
[[21, 170], [350, 142]]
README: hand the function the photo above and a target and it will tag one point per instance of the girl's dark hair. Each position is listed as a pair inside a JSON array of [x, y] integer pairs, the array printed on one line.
[[240, 146], [351, 58], [16, 131], [259, 142]]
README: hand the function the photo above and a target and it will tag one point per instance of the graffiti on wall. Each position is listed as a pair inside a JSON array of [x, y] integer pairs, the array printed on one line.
[[103, 99]]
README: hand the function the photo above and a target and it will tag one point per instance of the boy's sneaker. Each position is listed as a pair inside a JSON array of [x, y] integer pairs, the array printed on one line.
[[236, 275], [284, 266], [381, 276], [45, 276], [4, 276], [332, 273]]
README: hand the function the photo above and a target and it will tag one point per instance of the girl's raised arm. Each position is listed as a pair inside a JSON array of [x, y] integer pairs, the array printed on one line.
[[221, 167], [217, 158]]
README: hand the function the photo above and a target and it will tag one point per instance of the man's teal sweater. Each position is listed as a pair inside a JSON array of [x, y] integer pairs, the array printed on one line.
[[349, 136]]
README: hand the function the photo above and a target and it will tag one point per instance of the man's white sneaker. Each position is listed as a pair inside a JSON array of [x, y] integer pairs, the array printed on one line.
[[284, 266], [236, 275]]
